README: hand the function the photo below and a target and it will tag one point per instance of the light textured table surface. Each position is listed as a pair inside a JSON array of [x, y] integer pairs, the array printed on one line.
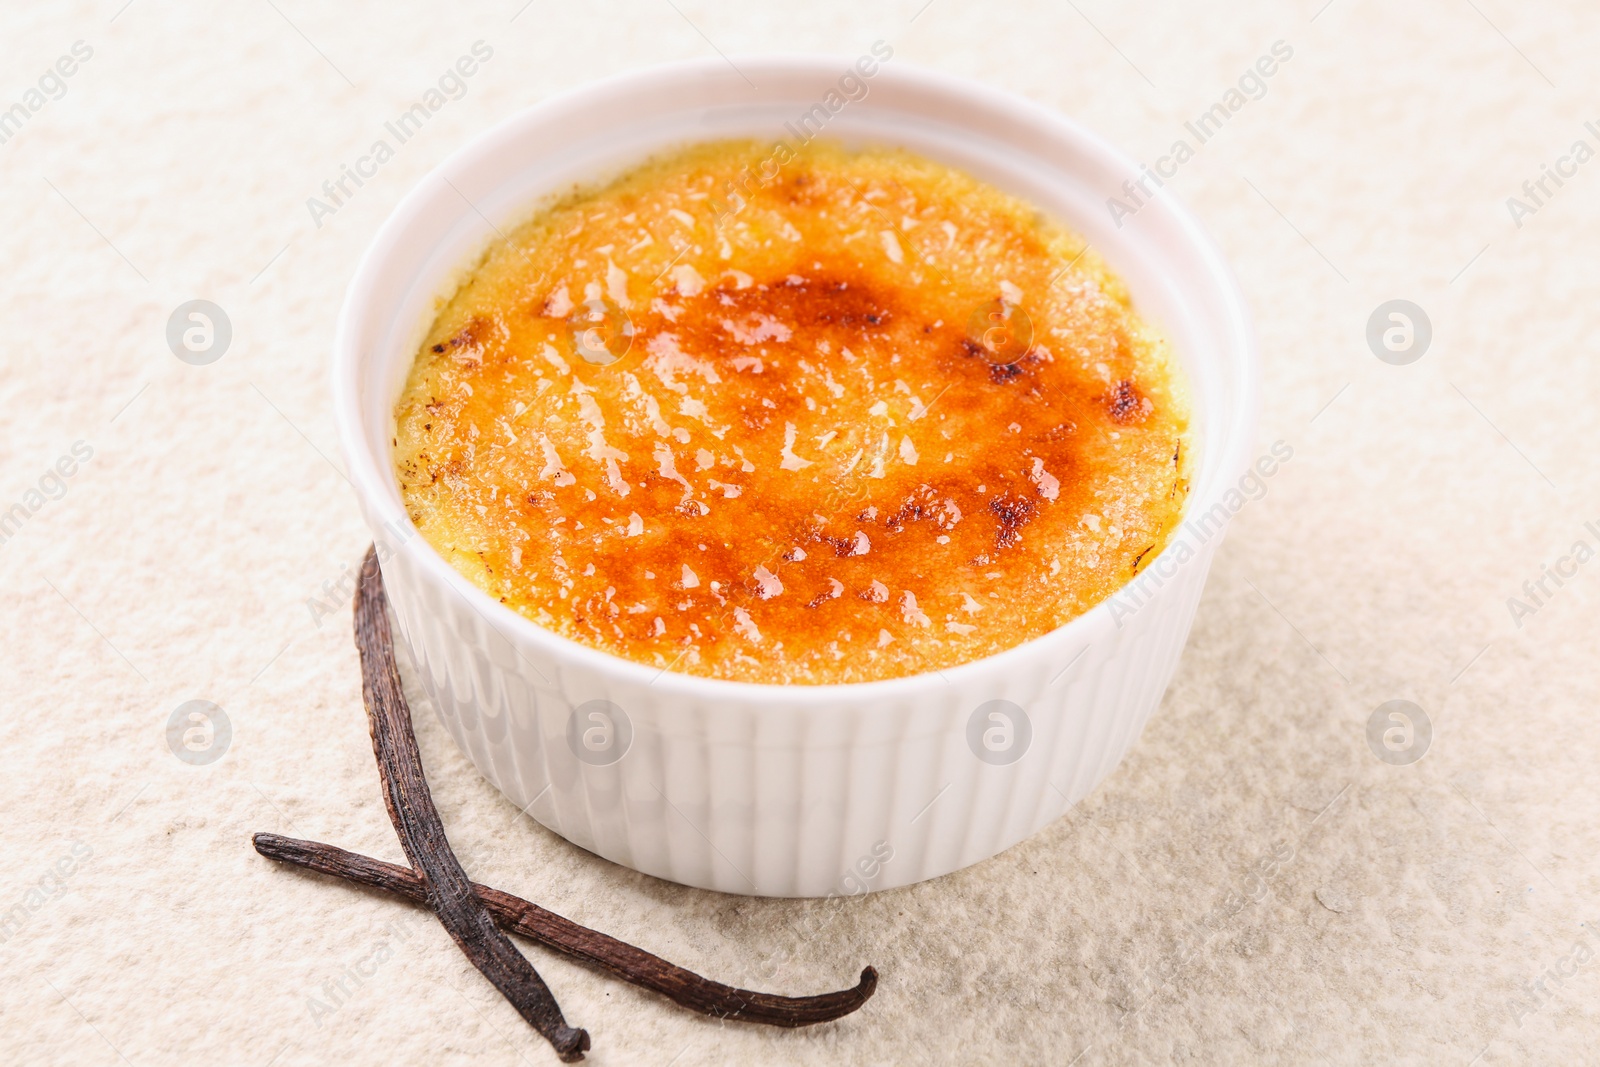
[[1424, 912]]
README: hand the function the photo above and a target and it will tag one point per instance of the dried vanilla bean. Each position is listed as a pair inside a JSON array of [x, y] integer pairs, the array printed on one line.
[[618, 958], [469, 911], [405, 790]]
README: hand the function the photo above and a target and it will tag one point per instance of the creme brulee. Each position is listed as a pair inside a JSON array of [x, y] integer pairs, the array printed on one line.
[[785, 416]]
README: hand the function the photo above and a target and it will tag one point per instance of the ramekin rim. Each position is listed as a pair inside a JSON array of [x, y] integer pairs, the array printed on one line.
[[370, 478]]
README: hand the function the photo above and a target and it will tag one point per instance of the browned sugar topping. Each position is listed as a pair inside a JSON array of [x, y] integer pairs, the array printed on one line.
[[870, 418]]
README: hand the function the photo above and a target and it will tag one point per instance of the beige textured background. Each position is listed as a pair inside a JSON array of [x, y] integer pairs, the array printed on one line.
[[1422, 904]]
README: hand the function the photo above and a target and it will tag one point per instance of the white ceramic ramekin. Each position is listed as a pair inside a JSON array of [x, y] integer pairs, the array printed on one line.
[[788, 790]]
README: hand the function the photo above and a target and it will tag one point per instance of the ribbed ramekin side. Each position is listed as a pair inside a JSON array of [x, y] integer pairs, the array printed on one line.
[[791, 801]]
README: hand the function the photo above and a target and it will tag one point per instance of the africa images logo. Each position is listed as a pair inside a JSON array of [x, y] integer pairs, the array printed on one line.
[[1251, 85], [451, 85]]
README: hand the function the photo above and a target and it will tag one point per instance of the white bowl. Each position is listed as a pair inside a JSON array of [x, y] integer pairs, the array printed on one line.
[[788, 790]]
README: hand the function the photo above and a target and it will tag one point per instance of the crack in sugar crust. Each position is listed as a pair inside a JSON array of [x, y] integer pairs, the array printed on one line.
[[805, 468]]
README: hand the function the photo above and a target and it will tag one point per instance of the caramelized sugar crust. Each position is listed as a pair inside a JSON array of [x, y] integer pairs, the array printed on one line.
[[871, 417]]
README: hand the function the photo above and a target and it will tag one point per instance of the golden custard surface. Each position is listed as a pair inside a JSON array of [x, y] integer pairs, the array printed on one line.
[[871, 417]]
